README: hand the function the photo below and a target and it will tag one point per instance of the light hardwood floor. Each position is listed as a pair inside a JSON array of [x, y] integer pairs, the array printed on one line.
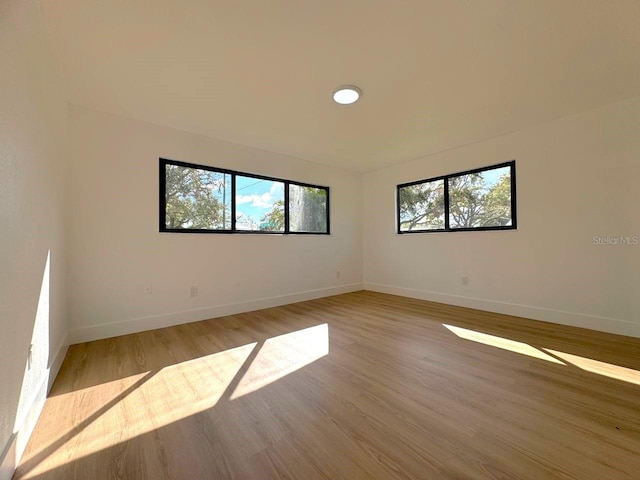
[[357, 386]]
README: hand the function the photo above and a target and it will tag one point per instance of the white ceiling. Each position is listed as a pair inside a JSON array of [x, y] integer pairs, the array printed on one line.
[[435, 74]]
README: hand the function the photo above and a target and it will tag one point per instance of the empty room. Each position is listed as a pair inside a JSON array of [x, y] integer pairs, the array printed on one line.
[[319, 239]]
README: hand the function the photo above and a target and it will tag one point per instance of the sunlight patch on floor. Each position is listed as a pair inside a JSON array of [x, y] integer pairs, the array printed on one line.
[[601, 368], [175, 392], [503, 343], [282, 355], [136, 405], [71, 424], [130, 407], [587, 364]]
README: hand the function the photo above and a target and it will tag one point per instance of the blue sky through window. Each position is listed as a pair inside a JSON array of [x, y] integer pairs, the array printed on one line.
[[491, 177], [255, 198]]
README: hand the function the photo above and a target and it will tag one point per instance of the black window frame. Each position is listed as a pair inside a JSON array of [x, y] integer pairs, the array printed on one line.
[[445, 178], [163, 162]]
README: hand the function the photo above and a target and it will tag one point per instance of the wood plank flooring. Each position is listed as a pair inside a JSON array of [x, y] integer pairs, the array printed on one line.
[[356, 386]]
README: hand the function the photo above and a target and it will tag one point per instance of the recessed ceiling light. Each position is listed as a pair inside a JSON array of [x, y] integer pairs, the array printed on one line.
[[346, 95]]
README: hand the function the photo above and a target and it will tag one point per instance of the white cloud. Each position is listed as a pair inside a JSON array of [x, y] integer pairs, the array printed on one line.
[[276, 188], [264, 200], [258, 201]]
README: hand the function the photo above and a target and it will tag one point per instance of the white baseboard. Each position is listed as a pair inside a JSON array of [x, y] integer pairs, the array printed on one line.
[[592, 322], [107, 330], [55, 365], [9, 460], [18, 441]]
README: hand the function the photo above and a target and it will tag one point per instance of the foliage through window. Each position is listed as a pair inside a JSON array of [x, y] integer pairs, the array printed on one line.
[[202, 199], [197, 199], [422, 206], [481, 199]]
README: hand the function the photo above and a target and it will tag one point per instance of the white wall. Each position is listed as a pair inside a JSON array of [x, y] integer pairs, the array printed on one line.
[[577, 178], [33, 117], [115, 249]]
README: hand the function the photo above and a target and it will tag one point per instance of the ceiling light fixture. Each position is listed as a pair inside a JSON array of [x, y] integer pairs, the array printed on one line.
[[346, 95]]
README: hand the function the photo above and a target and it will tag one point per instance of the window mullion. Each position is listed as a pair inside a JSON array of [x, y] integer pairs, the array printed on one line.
[[286, 207], [446, 203], [233, 202]]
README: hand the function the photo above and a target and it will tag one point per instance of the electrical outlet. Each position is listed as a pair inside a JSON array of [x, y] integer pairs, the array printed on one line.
[[465, 281], [30, 357], [148, 290], [338, 274], [194, 291]]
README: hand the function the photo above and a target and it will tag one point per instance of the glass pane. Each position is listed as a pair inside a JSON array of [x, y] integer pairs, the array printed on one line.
[[259, 204], [197, 199], [422, 206], [480, 199], [307, 209]]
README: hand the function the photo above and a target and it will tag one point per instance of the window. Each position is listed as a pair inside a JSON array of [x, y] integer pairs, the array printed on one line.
[[202, 199], [308, 209], [422, 206], [196, 199], [480, 199], [259, 204]]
